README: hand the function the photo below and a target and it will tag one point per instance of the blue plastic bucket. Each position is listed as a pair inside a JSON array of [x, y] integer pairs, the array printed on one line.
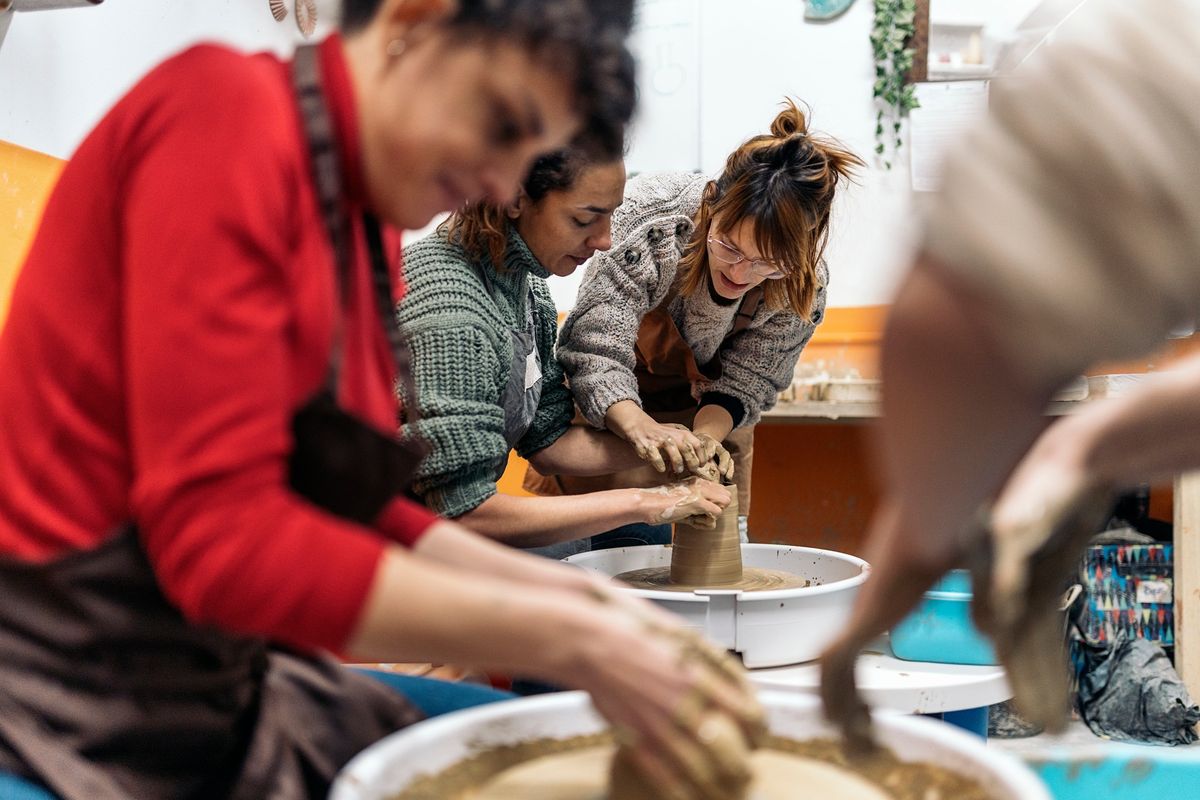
[[940, 629]]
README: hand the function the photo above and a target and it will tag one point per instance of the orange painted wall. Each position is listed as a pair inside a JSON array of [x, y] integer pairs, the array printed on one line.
[[26, 178]]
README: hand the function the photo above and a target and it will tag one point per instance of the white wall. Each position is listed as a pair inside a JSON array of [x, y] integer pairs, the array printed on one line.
[[758, 51], [1000, 16], [61, 70]]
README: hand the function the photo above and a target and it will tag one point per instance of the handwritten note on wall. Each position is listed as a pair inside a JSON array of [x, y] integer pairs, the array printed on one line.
[[947, 110], [666, 44]]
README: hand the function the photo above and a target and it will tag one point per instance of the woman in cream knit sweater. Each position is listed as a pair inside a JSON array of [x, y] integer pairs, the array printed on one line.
[[688, 327]]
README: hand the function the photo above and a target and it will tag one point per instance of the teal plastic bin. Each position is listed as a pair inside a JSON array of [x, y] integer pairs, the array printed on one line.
[[941, 630], [1122, 772]]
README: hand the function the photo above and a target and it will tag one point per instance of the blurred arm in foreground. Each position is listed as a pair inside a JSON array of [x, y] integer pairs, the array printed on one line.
[[1067, 231]]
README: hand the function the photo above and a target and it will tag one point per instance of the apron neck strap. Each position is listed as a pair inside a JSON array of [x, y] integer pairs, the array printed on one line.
[[747, 309], [327, 173]]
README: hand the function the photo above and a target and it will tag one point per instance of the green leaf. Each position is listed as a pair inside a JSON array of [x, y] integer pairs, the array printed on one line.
[[879, 148]]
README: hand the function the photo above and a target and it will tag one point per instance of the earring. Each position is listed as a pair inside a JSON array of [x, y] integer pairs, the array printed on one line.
[[396, 47]]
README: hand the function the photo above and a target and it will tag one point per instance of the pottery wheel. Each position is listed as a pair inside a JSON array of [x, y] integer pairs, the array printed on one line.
[[583, 775], [753, 580]]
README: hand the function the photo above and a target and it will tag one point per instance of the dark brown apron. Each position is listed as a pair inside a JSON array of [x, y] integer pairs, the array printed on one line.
[[108, 693], [666, 370]]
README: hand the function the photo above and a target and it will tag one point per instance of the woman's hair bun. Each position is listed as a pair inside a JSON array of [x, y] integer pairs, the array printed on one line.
[[790, 121]]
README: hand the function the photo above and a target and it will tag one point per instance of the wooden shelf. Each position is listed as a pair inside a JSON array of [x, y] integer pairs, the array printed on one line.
[[817, 411]]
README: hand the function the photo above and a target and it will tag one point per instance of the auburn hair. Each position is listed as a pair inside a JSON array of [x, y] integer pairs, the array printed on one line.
[[783, 182]]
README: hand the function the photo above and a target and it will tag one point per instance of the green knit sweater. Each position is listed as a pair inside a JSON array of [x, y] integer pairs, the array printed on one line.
[[462, 353]]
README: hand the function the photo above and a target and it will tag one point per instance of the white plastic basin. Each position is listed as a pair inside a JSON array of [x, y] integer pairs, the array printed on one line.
[[389, 766], [768, 629]]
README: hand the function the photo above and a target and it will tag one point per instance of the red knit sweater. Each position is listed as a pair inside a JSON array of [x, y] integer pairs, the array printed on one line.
[[175, 309]]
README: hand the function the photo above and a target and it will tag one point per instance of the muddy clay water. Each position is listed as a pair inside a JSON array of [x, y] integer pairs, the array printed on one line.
[[578, 768]]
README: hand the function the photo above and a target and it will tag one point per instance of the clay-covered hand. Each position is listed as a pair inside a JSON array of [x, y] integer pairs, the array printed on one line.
[[695, 500], [714, 454], [687, 736], [664, 446], [1029, 548]]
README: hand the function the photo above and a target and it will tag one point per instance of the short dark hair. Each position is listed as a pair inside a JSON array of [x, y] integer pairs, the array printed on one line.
[[582, 38]]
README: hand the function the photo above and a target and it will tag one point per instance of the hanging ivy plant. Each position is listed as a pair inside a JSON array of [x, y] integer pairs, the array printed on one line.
[[894, 96]]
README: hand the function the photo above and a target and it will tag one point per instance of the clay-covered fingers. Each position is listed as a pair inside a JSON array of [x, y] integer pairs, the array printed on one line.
[[705, 757], [714, 757], [716, 459], [674, 455], [705, 522], [1025, 561], [678, 709], [839, 696], [648, 451], [709, 498], [724, 463], [686, 499], [720, 723], [722, 684], [691, 447], [667, 446]]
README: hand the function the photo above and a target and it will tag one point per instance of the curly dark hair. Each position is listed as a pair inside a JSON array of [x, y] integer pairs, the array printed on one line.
[[481, 229], [584, 39]]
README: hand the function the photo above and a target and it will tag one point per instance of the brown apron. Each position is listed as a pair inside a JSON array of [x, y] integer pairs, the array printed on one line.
[[666, 370], [108, 693]]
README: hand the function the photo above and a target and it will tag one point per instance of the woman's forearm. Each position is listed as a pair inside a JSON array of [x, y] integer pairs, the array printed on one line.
[[454, 546], [585, 451], [417, 610], [1144, 436], [539, 521], [622, 416], [714, 421]]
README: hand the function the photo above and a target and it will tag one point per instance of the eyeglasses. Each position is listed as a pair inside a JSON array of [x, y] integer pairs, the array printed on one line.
[[731, 255]]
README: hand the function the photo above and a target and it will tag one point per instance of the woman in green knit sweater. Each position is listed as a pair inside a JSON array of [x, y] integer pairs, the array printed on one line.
[[481, 324]]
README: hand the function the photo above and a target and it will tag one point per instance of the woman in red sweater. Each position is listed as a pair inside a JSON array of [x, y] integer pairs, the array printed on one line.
[[200, 478]]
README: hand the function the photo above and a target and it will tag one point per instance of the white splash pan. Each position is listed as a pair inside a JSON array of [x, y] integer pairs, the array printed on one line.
[[768, 629], [393, 763]]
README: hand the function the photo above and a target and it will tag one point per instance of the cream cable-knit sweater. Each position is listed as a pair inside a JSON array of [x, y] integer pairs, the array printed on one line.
[[596, 345]]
